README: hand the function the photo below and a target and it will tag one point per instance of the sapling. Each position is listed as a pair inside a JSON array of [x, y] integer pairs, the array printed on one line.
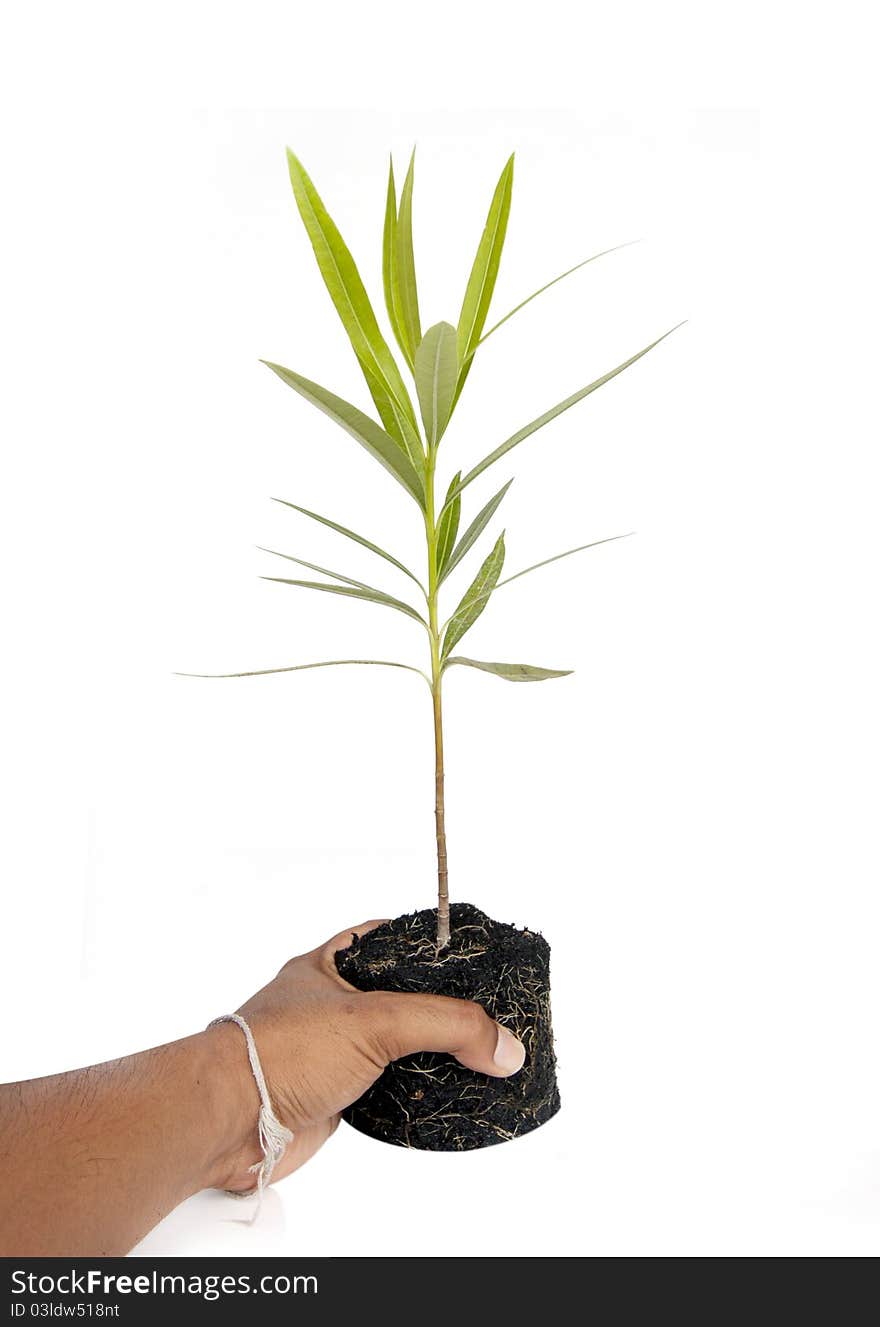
[[407, 440]]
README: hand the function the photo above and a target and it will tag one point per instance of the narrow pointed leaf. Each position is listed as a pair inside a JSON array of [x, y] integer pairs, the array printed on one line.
[[387, 451], [559, 409], [406, 265], [358, 539], [346, 289], [397, 424], [510, 672], [447, 528], [353, 592], [557, 557], [474, 530], [475, 598], [390, 277], [313, 566], [546, 562], [478, 295], [436, 375], [300, 668], [522, 304]]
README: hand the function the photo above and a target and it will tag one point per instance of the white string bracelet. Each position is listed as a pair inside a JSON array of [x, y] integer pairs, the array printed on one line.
[[274, 1137]]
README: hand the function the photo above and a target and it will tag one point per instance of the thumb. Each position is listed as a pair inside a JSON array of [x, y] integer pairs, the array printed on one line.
[[403, 1024]]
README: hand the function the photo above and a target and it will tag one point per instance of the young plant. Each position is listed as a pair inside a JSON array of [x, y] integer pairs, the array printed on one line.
[[439, 362]]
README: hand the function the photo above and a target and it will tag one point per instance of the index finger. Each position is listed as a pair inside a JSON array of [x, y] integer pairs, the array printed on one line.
[[326, 953]]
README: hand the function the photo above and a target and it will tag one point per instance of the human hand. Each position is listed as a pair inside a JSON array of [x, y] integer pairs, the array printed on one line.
[[322, 1043]]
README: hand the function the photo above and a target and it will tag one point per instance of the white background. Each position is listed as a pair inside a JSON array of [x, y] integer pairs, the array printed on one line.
[[690, 818]]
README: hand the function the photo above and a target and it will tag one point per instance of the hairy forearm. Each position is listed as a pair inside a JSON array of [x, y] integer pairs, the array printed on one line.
[[92, 1159]]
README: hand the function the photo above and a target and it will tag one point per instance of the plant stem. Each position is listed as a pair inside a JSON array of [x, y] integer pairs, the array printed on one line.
[[440, 817], [436, 694]]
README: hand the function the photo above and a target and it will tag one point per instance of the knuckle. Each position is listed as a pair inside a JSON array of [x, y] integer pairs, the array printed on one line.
[[473, 1017], [380, 1010], [381, 1006]]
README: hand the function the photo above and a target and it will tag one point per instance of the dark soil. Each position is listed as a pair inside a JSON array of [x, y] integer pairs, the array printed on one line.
[[431, 1101]]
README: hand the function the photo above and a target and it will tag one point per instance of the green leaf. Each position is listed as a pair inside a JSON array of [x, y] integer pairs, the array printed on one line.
[[346, 289], [481, 284], [387, 451], [474, 530], [436, 374], [358, 538], [406, 265], [474, 600], [557, 557], [522, 304], [390, 279], [299, 668], [447, 528], [353, 592], [398, 267], [546, 562], [397, 424], [313, 566], [510, 672], [548, 415]]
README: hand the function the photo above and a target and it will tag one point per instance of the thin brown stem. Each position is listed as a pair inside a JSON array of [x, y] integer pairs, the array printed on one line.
[[436, 683], [440, 816]]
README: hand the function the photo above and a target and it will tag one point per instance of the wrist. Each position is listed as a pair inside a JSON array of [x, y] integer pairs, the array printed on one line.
[[232, 1104]]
